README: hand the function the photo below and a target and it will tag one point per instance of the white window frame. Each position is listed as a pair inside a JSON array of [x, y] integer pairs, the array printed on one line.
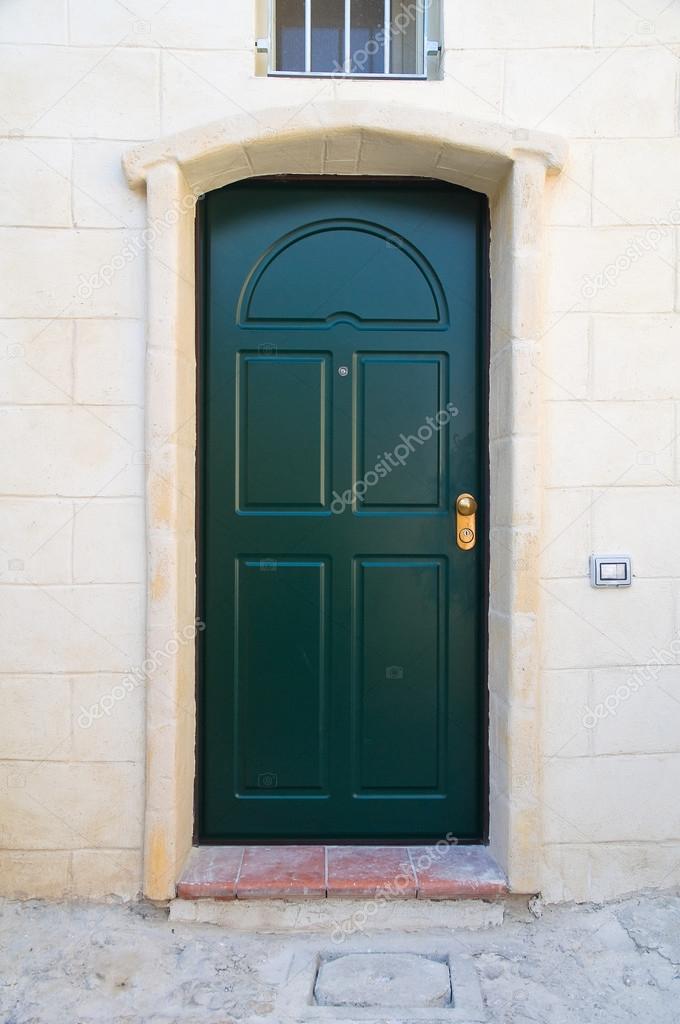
[[268, 46]]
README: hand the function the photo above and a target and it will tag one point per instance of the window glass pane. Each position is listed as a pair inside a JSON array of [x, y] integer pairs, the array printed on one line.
[[367, 38], [290, 35], [406, 37], [328, 35]]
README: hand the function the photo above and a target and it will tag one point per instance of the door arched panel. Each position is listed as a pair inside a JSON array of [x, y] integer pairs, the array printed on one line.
[[343, 271]]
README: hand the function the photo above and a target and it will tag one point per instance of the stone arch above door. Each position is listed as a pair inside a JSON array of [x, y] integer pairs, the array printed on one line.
[[509, 166]]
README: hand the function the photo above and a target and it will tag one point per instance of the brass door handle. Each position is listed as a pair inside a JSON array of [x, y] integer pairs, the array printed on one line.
[[466, 521]]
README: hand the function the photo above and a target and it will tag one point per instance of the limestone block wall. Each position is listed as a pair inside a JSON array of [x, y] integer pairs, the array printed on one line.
[[82, 82]]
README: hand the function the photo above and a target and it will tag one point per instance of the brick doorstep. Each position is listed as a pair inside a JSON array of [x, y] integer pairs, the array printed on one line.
[[318, 872]]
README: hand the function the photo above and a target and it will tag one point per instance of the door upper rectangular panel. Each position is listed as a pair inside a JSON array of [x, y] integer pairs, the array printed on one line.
[[283, 443], [401, 432]]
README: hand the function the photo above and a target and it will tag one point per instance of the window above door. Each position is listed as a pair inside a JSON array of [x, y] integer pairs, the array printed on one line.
[[352, 38]]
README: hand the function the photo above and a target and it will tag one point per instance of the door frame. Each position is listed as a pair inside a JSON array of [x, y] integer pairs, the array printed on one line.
[[511, 168]]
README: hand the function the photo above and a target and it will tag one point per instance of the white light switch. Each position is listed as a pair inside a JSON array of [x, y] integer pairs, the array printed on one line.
[[610, 570]]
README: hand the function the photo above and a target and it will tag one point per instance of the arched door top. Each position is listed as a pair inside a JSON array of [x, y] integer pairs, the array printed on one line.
[[276, 292]]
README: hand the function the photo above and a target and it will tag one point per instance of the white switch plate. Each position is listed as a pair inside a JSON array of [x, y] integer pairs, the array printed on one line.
[[610, 571]]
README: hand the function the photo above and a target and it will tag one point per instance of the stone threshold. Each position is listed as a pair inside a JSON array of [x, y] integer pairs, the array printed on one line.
[[325, 872]]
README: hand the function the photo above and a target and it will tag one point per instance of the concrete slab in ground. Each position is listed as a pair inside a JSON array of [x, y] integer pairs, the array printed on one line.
[[383, 979], [118, 964]]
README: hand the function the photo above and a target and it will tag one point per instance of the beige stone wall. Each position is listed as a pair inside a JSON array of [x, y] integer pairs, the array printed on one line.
[[82, 82]]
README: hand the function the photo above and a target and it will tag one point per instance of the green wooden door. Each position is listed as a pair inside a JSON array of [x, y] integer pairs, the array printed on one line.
[[342, 680]]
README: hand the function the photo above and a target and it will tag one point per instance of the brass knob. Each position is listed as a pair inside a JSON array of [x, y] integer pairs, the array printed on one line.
[[466, 505]]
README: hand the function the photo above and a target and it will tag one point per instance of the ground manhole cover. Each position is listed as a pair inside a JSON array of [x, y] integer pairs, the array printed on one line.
[[383, 979]]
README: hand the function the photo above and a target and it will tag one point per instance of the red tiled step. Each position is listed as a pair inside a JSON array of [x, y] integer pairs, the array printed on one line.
[[211, 873], [315, 872], [456, 871], [369, 871], [277, 872]]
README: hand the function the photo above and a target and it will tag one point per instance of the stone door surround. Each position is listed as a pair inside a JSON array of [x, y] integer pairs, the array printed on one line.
[[346, 137]]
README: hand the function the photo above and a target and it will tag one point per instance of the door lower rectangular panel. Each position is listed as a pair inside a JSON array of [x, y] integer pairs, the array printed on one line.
[[281, 677], [399, 678]]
